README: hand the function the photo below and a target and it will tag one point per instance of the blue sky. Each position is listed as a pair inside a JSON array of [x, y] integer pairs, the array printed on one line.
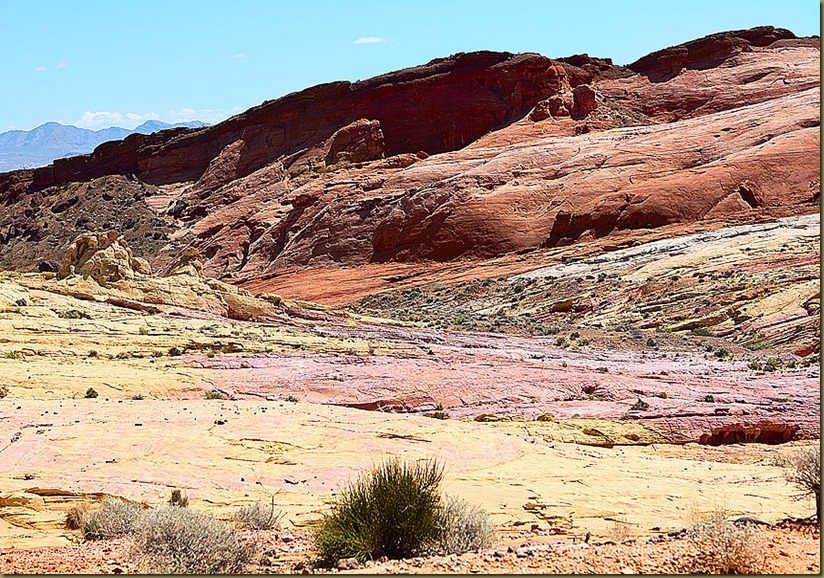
[[99, 63]]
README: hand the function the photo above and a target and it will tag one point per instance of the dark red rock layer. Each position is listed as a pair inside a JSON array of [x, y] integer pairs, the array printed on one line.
[[438, 107]]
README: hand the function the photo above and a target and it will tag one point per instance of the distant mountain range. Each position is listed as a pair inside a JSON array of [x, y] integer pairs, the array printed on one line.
[[21, 149]]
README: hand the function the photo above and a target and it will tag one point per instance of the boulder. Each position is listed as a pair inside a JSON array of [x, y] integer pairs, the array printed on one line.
[[105, 257], [357, 142], [583, 101]]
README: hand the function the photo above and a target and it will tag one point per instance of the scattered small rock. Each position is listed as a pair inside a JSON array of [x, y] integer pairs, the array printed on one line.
[[347, 564]]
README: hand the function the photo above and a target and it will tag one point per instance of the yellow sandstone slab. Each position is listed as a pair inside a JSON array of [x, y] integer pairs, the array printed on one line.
[[227, 453]]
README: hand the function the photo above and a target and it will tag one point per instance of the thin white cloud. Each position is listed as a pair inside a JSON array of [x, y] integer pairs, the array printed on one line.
[[61, 65], [105, 119], [130, 120], [41, 69], [238, 55], [369, 40]]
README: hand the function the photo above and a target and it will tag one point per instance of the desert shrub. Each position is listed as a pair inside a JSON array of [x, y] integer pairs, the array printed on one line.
[[114, 518], [179, 499], [773, 364], [291, 399], [214, 394], [258, 516], [175, 351], [804, 470], [725, 548], [392, 511], [91, 393], [73, 314], [464, 527], [621, 531], [179, 540], [76, 517]]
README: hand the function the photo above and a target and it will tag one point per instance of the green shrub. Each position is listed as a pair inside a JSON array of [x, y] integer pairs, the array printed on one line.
[[773, 363], [214, 394], [179, 540], [175, 351], [73, 314], [392, 511], [113, 519], [91, 393], [291, 399], [93, 353], [464, 527], [258, 516]]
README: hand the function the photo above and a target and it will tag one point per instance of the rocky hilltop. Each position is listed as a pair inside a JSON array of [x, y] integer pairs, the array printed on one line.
[[471, 156]]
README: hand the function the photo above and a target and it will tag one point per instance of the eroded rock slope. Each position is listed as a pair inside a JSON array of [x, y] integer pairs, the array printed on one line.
[[472, 156]]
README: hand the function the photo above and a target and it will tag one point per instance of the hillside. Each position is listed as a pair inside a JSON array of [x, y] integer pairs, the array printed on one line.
[[471, 156], [47, 142]]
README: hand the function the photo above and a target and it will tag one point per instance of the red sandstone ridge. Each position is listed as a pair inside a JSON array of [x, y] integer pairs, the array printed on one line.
[[471, 156]]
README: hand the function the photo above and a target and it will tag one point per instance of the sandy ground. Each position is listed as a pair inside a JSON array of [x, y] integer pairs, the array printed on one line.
[[792, 549]]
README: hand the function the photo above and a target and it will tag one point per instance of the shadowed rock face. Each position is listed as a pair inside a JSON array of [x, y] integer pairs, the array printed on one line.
[[707, 52], [762, 433], [471, 156], [438, 107]]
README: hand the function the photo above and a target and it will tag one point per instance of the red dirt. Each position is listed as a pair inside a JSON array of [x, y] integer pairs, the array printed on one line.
[[789, 550]]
